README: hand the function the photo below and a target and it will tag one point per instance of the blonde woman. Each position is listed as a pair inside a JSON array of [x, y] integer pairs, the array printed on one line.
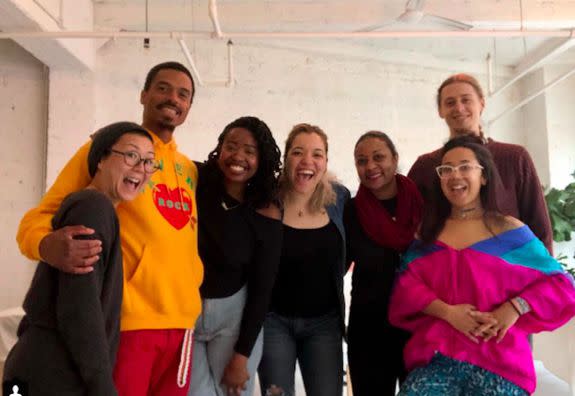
[[306, 318]]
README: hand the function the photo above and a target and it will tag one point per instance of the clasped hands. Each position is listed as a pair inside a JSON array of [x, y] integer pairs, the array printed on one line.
[[477, 325]]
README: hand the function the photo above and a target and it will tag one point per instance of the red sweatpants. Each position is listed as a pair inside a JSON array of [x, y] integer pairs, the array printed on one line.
[[147, 363]]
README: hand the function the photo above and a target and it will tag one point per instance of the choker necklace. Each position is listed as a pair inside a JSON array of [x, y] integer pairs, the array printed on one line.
[[463, 213]]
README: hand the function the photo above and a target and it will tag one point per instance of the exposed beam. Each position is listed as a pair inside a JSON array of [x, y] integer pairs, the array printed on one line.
[[290, 15], [534, 60], [213, 11], [530, 97], [222, 83], [283, 35], [53, 51], [191, 61]]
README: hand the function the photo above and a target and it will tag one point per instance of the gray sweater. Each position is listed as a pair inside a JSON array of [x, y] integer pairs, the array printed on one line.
[[69, 336]]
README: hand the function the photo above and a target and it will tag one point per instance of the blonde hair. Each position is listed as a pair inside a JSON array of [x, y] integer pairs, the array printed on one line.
[[324, 194]]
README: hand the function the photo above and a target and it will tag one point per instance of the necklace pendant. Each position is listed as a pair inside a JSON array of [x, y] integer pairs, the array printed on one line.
[[226, 207], [300, 213]]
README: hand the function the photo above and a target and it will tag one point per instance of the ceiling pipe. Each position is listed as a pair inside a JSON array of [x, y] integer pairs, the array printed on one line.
[[231, 79], [531, 64], [224, 83], [285, 35], [531, 97], [489, 73], [213, 10], [190, 59]]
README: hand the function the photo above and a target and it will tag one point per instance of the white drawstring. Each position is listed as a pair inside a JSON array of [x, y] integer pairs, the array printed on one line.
[[183, 369]]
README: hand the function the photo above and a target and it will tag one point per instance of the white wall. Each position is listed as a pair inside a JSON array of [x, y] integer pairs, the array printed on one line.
[[70, 116], [551, 142], [23, 89], [561, 126], [345, 95], [535, 116], [561, 135]]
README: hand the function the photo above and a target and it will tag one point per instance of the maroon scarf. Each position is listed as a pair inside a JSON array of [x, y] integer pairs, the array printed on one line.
[[378, 224]]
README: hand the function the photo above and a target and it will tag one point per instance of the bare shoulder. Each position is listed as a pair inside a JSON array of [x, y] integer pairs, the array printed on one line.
[[512, 222], [272, 211], [508, 223]]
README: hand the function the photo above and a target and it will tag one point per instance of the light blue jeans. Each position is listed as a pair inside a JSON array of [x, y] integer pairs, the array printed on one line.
[[316, 343], [215, 335]]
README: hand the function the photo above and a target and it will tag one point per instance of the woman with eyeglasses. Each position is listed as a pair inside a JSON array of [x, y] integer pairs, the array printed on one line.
[[239, 241], [474, 285], [68, 338], [380, 223], [460, 103]]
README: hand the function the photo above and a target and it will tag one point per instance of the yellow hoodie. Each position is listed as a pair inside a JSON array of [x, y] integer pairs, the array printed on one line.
[[162, 267]]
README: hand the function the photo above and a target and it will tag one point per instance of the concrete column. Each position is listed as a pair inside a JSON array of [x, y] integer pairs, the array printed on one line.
[[535, 124], [70, 117], [549, 122], [560, 126]]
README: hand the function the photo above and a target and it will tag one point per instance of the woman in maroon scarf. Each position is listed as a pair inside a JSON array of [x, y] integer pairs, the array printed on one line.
[[380, 223]]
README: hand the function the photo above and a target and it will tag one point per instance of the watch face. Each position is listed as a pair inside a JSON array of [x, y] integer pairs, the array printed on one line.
[[15, 387]]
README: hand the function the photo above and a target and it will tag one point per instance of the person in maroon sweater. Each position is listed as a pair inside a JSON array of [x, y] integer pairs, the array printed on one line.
[[460, 101]]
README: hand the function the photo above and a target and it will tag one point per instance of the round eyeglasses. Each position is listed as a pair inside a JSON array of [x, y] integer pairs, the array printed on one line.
[[132, 158]]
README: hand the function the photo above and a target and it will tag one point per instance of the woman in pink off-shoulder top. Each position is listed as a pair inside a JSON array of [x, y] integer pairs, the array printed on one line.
[[473, 286]]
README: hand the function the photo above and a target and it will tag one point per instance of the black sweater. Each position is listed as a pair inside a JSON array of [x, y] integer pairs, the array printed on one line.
[[375, 265], [238, 246], [303, 288]]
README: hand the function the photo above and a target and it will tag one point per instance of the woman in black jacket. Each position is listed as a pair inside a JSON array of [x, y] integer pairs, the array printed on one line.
[[380, 222]]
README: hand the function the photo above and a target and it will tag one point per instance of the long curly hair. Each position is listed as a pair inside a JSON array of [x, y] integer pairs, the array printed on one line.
[[261, 189]]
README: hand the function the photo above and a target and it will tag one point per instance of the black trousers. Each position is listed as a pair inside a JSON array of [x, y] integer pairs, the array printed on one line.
[[374, 352]]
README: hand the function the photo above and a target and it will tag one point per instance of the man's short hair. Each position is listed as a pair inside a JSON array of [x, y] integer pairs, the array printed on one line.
[[173, 66]]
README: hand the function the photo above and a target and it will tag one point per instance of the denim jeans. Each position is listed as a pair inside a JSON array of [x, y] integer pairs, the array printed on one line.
[[316, 343], [217, 330]]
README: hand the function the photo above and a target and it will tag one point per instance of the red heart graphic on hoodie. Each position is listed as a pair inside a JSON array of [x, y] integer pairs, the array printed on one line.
[[174, 204]]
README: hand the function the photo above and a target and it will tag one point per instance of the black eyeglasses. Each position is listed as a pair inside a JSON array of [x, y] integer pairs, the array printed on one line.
[[132, 158]]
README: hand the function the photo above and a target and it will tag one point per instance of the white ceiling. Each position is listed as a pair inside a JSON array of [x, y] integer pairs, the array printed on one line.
[[238, 16], [325, 15], [354, 15]]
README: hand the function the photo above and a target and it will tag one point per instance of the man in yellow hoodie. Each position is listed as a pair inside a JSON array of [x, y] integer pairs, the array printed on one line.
[[162, 268]]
